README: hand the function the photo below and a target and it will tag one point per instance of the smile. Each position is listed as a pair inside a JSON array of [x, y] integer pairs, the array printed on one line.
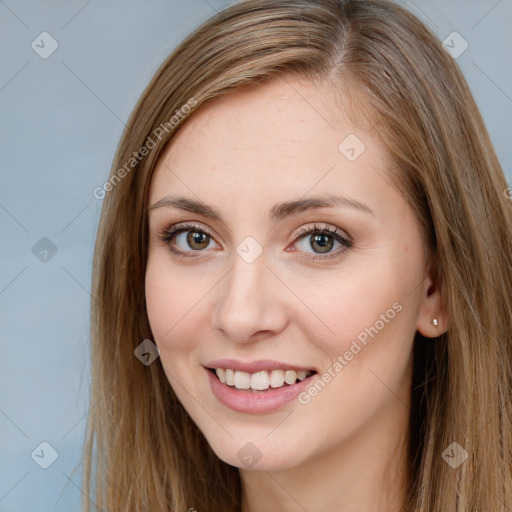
[[259, 387]]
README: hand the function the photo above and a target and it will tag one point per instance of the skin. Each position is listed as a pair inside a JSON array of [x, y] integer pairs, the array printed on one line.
[[241, 154]]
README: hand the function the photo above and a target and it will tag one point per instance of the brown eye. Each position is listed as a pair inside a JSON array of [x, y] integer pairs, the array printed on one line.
[[197, 240], [187, 239], [321, 242]]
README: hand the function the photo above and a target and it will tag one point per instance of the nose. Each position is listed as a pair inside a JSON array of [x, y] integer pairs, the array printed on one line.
[[250, 305]]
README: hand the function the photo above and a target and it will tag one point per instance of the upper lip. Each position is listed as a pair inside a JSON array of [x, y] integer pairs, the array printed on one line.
[[254, 366]]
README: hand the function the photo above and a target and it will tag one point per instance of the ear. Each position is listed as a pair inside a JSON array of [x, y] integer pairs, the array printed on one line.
[[432, 306]]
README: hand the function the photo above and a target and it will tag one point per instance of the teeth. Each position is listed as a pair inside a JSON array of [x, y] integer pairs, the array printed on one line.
[[276, 378], [242, 380], [302, 374], [230, 377], [260, 381], [290, 376]]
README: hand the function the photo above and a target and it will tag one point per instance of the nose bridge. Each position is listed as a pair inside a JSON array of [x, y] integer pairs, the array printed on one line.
[[246, 303], [245, 279], [244, 291]]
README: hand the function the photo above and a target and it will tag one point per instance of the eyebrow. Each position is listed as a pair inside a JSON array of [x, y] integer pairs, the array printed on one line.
[[278, 212]]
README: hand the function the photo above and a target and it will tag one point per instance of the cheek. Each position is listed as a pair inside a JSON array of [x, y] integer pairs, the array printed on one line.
[[171, 303], [172, 299], [367, 363], [369, 313]]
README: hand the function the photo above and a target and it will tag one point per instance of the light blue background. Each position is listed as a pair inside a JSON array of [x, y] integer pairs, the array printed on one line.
[[60, 121]]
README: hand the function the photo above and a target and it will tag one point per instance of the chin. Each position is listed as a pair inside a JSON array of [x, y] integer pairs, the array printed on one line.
[[260, 454]]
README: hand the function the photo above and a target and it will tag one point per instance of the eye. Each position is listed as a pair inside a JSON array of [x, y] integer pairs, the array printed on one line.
[[185, 238], [321, 240]]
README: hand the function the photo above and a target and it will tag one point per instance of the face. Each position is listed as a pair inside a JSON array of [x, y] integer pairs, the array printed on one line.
[[251, 270]]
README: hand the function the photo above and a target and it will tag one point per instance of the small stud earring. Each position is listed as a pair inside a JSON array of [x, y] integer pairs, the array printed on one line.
[[434, 322]]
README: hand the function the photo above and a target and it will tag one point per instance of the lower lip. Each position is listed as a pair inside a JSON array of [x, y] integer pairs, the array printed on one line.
[[256, 402]]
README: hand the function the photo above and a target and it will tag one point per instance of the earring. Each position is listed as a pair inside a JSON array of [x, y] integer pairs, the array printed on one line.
[[434, 322]]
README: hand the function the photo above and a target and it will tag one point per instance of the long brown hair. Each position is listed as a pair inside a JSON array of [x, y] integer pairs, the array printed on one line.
[[143, 452]]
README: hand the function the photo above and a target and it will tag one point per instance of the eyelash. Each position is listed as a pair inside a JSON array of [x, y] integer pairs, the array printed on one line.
[[167, 234]]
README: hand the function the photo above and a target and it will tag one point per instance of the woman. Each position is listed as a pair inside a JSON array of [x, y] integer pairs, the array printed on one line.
[[302, 276]]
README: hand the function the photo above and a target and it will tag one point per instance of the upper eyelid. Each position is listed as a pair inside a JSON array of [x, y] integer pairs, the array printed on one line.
[[331, 229], [186, 225]]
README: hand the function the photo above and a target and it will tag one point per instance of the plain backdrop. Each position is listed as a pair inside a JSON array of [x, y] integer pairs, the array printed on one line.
[[60, 120]]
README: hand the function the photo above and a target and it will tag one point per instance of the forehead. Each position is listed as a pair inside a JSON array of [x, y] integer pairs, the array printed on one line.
[[284, 137]]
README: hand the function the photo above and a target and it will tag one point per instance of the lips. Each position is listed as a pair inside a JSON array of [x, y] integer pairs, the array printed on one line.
[[259, 386]]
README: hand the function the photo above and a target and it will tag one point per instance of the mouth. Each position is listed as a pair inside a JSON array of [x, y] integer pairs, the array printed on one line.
[[263, 381], [257, 387]]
